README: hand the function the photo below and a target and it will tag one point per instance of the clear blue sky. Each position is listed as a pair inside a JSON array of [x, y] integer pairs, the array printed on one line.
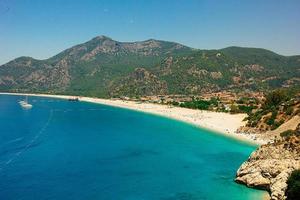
[[43, 28]]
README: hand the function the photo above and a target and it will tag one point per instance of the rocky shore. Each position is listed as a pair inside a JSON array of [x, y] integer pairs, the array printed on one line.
[[270, 166]]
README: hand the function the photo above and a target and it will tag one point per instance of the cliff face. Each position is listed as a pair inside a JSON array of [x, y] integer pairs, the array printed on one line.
[[270, 166]]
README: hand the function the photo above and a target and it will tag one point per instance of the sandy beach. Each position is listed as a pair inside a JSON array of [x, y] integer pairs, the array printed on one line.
[[223, 123]]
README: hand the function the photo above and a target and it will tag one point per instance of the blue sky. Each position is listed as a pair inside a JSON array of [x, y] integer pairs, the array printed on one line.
[[43, 28]]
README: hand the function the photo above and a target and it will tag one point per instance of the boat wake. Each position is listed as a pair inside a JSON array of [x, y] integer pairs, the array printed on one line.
[[14, 141], [29, 144]]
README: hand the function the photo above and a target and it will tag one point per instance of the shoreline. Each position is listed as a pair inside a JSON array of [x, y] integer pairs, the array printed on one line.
[[222, 123]]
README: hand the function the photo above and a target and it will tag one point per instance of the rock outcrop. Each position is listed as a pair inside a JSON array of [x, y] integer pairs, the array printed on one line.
[[269, 168]]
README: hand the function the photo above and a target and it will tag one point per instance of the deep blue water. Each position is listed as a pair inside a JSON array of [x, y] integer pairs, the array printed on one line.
[[73, 150]]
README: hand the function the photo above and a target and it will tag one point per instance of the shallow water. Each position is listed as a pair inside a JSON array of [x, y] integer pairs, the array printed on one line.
[[76, 150]]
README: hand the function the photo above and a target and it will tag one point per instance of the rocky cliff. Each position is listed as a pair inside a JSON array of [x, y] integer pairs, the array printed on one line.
[[270, 166]]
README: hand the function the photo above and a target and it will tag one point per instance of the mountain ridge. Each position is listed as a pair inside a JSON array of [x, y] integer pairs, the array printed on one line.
[[105, 67], [152, 39]]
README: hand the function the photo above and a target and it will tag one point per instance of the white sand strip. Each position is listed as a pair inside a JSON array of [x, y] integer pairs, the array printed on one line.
[[223, 123]]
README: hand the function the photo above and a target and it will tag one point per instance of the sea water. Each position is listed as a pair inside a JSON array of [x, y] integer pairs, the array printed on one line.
[[82, 151]]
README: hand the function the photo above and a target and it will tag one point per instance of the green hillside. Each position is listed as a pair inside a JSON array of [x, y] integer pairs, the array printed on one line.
[[103, 67]]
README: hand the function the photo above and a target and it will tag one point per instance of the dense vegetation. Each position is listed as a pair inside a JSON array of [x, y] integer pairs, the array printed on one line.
[[276, 100], [293, 189], [289, 133], [103, 67], [246, 109], [198, 104]]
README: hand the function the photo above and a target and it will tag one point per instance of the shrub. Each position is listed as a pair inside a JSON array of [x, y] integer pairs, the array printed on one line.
[[234, 109], [242, 100], [214, 101], [271, 121], [276, 97], [196, 104], [287, 133], [289, 110], [175, 103], [254, 118], [276, 124], [246, 109], [293, 189]]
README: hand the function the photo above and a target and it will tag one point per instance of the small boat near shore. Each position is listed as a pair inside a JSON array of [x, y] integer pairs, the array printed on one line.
[[24, 103], [73, 99]]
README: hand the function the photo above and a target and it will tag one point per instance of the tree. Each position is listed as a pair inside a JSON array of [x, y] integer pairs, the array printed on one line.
[[293, 189], [274, 98], [234, 108]]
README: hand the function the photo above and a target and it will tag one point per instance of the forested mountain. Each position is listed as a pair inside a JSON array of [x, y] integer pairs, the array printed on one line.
[[103, 67]]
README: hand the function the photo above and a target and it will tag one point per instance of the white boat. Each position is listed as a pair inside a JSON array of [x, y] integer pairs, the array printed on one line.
[[25, 103]]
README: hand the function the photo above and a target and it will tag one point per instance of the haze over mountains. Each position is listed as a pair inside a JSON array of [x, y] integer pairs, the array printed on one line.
[[106, 68]]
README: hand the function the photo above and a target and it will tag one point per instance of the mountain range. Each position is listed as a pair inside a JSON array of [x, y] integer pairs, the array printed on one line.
[[104, 67]]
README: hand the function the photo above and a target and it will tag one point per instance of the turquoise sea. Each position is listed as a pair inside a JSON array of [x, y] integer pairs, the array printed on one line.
[[62, 150]]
